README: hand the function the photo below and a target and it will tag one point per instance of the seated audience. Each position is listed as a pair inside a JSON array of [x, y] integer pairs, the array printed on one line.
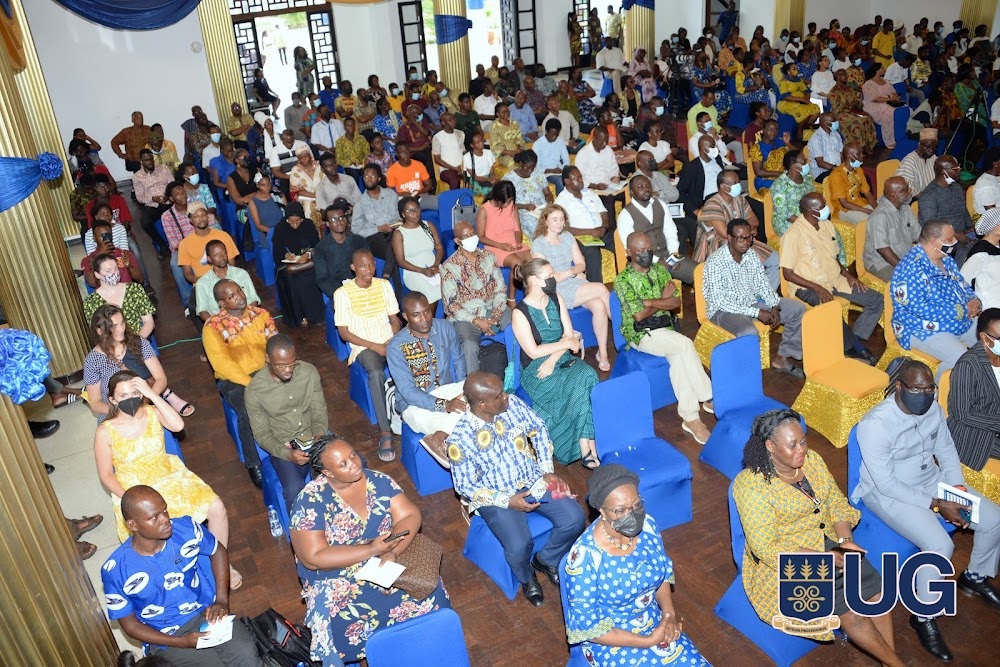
[[283, 156], [287, 412], [986, 194], [779, 470], [917, 166], [130, 297], [192, 252], [499, 228], [658, 147], [189, 595], [973, 418], [878, 93], [706, 128], [934, 309], [892, 230], [789, 189], [982, 268], [505, 479], [474, 293], [648, 213], [552, 154], [556, 245], [332, 540], [409, 177], [149, 186], [351, 150], [647, 296], [220, 269], [292, 248], [738, 292], [427, 364], [588, 220], [293, 116], [376, 216], [234, 340], [418, 250], [531, 190], [365, 314], [598, 166], [699, 181], [479, 165], [826, 146], [812, 261], [333, 185], [264, 211], [304, 180], [505, 138], [558, 383], [664, 188], [323, 135], [522, 114], [386, 124], [333, 254], [485, 106], [906, 450], [944, 199], [569, 126], [467, 118], [435, 107], [197, 191], [121, 238], [794, 98], [847, 107], [851, 199], [448, 151], [128, 265], [609, 569], [416, 133], [767, 155]]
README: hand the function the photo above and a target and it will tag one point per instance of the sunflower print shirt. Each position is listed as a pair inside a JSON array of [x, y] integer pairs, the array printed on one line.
[[490, 462]]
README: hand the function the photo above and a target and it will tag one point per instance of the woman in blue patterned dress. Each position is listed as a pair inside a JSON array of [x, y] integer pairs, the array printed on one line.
[[705, 76], [584, 100], [532, 190], [340, 520], [618, 580], [386, 123]]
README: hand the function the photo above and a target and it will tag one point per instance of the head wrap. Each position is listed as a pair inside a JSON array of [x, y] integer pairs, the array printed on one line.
[[988, 222], [605, 479], [295, 208], [929, 133], [260, 118]]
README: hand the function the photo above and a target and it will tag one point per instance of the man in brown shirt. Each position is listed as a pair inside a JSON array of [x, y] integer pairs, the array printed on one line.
[[129, 141]]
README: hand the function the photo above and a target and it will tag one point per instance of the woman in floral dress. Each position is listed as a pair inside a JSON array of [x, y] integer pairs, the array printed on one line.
[[339, 521]]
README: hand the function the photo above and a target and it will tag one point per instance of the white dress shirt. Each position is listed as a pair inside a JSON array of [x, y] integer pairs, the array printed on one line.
[[986, 192], [626, 225], [570, 126], [597, 167], [583, 213], [719, 143], [327, 132], [486, 106]]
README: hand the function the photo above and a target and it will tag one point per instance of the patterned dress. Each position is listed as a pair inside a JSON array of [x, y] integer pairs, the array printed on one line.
[[530, 190], [305, 82], [606, 591], [144, 460], [505, 138], [575, 38], [723, 102], [797, 110], [341, 611], [585, 106], [388, 127], [563, 398], [845, 102], [135, 305]]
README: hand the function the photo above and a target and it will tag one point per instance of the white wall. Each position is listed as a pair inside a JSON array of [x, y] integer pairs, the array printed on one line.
[[754, 13], [853, 13], [671, 15], [97, 77], [369, 42], [552, 38]]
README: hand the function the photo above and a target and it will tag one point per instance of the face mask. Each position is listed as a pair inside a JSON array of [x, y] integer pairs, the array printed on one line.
[[414, 76], [855, 164], [994, 348], [736, 190], [130, 406], [444, 93], [673, 40], [834, 126], [824, 213], [864, 42], [659, 111], [215, 137], [156, 152], [831, 44], [707, 126], [949, 249], [713, 153], [470, 244], [194, 179], [795, 40], [550, 286], [630, 525], [940, 30], [644, 259], [415, 96], [805, 169], [948, 179], [419, 118], [918, 404], [112, 279], [857, 62], [393, 92]]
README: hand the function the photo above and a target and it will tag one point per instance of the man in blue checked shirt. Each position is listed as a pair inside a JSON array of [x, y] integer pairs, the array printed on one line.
[[501, 461], [934, 309]]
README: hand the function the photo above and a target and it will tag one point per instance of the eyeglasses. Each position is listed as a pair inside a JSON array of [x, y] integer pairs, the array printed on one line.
[[337, 218], [919, 390], [293, 365], [619, 512], [744, 239]]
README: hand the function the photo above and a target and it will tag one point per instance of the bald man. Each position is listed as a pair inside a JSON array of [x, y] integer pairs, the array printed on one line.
[[892, 229]]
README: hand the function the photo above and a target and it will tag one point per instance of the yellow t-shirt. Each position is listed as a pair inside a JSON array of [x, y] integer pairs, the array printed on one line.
[[191, 251]]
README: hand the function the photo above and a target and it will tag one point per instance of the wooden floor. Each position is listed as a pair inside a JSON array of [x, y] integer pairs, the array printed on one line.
[[499, 632]]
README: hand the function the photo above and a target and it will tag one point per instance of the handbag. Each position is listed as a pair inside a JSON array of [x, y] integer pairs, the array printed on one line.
[[422, 560], [464, 212], [667, 320]]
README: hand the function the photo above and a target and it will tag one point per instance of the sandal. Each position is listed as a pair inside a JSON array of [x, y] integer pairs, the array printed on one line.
[[85, 550], [385, 452], [235, 578], [68, 399], [603, 366], [183, 408], [590, 461], [80, 526]]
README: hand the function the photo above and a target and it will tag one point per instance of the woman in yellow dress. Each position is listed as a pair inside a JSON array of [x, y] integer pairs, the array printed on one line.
[[130, 450], [795, 98], [575, 38], [506, 140]]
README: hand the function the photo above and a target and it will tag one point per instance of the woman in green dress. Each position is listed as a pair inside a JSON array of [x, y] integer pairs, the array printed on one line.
[[558, 383]]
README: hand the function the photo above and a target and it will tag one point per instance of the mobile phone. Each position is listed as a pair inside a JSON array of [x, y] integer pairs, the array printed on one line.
[[966, 515], [106, 237], [305, 446], [402, 533]]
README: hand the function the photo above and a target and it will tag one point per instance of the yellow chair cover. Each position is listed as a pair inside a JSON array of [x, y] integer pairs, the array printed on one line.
[[892, 347], [710, 334], [883, 170], [986, 481]]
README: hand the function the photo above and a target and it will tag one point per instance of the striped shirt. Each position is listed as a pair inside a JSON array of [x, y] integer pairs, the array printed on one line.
[[365, 312]]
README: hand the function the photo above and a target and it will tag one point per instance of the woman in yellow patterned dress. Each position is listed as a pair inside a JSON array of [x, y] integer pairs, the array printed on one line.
[[795, 98], [130, 450], [789, 502], [575, 38], [506, 140]]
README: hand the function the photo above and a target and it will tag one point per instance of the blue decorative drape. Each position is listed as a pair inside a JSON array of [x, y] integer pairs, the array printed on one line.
[[648, 4], [21, 175], [24, 363], [131, 14], [450, 28]]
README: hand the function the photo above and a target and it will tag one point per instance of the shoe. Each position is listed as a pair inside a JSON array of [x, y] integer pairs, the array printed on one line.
[[980, 588], [709, 406], [697, 430], [863, 355], [931, 639], [256, 477], [43, 429], [551, 572], [533, 591], [49, 468]]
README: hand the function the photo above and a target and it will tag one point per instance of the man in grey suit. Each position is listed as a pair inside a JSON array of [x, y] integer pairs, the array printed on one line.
[[900, 439]]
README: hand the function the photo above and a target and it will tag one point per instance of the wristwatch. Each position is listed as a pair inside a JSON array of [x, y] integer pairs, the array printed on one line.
[[841, 540]]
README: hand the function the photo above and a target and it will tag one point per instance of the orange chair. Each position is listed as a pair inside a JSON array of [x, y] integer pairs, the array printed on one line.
[[621, 256], [969, 204], [986, 481], [838, 391], [883, 170], [847, 231], [710, 334], [773, 239], [892, 347]]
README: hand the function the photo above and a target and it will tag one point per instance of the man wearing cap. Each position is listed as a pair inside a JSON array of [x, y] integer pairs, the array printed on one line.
[[501, 462], [917, 167]]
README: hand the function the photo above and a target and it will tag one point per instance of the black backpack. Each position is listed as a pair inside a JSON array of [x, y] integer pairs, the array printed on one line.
[[493, 357], [280, 642]]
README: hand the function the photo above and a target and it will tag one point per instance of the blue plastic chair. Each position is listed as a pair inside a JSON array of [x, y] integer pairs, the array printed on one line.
[[427, 474], [786, 123], [266, 269], [738, 397], [152, 343], [631, 360], [739, 117], [735, 609], [872, 533], [904, 145], [171, 444], [432, 639], [333, 339], [623, 425], [486, 552], [359, 392], [514, 362], [576, 657], [583, 321], [446, 202]]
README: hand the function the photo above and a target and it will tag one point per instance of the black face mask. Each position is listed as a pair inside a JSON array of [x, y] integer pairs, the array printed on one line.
[[245, 162], [630, 525], [644, 259], [918, 404], [130, 406], [949, 249], [550, 286]]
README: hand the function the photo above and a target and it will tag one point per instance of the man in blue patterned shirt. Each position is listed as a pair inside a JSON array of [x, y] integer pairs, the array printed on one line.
[[934, 309], [501, 461]]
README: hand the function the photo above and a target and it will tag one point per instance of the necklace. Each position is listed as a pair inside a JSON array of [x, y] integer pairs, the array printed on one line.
[[624, 546], [792, 476]]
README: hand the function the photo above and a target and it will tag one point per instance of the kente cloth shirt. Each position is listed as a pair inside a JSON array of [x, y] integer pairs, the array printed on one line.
[[280, 411], [736, 287], [473, 287], [235, 345], [420, 365], [490, 462], [167, 589], [633, 287], [814, 254], [847, 184], [927, 299]]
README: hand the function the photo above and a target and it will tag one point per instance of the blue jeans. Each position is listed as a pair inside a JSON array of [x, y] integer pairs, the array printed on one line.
[[183, 286], [511, 528], [556, 180], [292, 477]]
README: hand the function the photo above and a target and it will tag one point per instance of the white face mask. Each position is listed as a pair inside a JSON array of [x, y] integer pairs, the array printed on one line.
[[823, 213], [994, 348], [948, 179], [713, 153], [706, 126], [470, 244]]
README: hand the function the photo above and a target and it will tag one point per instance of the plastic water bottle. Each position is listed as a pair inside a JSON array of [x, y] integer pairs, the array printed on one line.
[[272, 518]]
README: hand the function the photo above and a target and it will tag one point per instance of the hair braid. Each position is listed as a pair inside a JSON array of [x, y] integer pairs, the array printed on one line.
[[756, 458]]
